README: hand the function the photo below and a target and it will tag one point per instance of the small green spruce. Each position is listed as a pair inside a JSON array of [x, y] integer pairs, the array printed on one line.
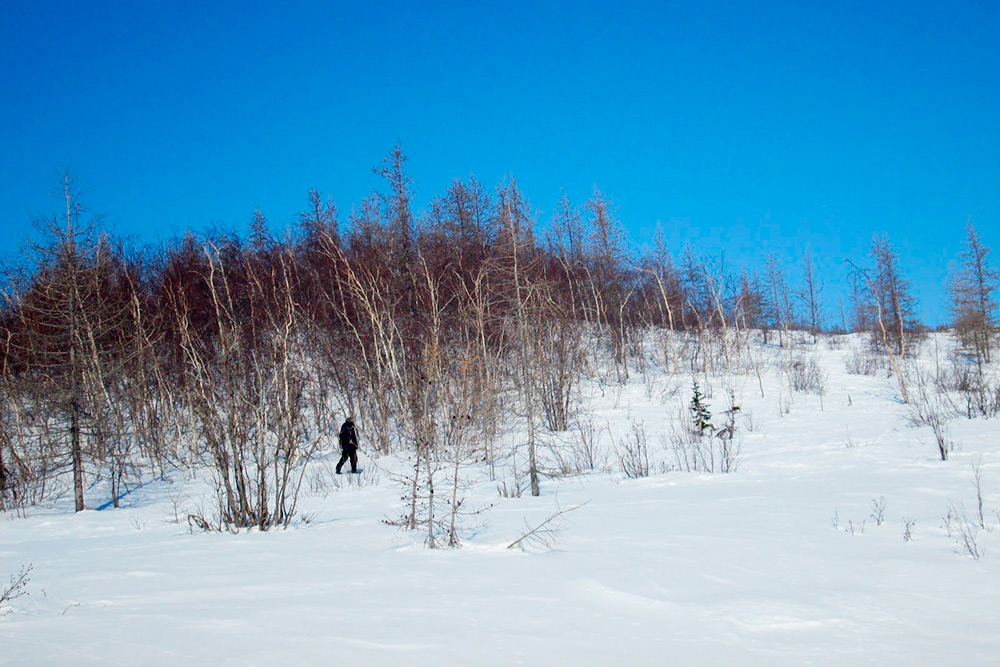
[[700, 416]]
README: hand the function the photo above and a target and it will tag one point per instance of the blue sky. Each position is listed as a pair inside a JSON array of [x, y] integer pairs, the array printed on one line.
[[742, 128]]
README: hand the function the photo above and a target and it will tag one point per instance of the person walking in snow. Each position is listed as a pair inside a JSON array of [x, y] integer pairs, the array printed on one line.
[[348, 445]]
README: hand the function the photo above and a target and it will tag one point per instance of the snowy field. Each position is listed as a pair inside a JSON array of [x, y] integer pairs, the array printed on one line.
[[796, 558]]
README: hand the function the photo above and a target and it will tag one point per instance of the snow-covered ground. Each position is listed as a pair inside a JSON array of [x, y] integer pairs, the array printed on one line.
[[783, 562]]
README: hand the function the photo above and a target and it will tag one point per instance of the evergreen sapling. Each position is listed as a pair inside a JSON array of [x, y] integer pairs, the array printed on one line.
[[700, 415]]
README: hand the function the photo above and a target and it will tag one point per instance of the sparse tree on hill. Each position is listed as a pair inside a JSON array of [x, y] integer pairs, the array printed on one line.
[[973, 299], [606, 269], [892, 300], [668, 297], [889, 299], [778, 300], [812, 288]]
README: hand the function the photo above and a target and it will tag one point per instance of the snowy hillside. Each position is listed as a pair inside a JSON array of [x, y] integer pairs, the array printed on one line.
[[837, 539]]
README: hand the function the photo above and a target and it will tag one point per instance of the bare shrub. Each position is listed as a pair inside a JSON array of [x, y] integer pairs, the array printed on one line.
[[981, 395], [252, 394], [660, 388], [977, 383], [324, 480], [729, 446], [716, 450], [176, 500], [878, 510], [558, 356], [513, 490], [202, 522], [688, 450], [834, 342], [750, 421], [962, 530], [18, 586], [580, 450], [587, 449], [562, 454], [649, 386], [983, 398], [930, 407], [977, 481], [805, 374], [633, 452], [863, 362]]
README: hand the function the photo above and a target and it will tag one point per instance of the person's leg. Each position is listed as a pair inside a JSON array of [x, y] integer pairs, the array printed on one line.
[[340, 464], [354, 461]]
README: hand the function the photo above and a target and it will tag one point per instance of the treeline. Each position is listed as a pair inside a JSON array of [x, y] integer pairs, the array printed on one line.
[[245, 354]]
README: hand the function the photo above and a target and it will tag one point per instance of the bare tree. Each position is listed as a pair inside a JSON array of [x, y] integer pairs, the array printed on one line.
[[320, 217], [812, 288], [778, 300], [517, 254], [462, 217], [606, 268], [667, 295], [71, 330], [397, 207], [861, 306], [891, 296], [973, 300], [750, 302], [567, 244]]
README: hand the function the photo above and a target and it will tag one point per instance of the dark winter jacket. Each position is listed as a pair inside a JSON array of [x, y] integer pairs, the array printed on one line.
[[348, 437]]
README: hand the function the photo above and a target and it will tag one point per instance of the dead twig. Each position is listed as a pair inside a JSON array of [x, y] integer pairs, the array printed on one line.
[[544, 534]]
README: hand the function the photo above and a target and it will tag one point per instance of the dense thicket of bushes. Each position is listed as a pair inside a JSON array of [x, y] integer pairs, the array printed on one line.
[[246, 353]]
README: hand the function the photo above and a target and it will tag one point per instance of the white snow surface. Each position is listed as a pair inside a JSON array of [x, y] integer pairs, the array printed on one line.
[[756, 567]]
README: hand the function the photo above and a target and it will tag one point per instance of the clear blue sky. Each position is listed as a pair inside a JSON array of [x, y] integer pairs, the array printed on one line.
[[742, 127]]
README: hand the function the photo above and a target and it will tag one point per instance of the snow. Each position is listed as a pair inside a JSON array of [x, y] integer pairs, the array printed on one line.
[[778, 563]]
